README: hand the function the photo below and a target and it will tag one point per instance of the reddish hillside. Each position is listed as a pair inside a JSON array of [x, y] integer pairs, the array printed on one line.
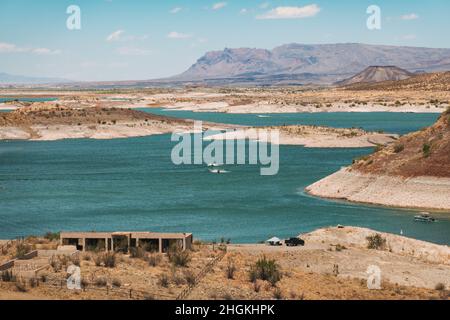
[[423, 82], [423, 153]]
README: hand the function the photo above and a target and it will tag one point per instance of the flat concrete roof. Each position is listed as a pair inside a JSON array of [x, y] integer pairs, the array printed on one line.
[[140, 235]]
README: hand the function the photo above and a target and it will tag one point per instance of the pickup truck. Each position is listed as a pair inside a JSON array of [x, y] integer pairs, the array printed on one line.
[[294, 242]]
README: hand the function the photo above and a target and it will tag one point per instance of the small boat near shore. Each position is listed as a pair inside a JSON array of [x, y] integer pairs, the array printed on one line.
[[424, 217], [218, 171]]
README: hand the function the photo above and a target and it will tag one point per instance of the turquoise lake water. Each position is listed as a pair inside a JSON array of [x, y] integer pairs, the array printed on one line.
[[2, 100], [131, 184]]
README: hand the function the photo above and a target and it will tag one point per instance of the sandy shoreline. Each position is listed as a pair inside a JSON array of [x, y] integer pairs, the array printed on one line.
[[311, 137], [265, 108], [418, 192]]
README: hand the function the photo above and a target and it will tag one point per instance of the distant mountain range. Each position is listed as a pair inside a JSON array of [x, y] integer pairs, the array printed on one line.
[[303, 64], [6, 79], [291, 64], [377, 74]]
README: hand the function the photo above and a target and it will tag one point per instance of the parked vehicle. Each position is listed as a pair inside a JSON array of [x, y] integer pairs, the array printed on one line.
[[294, 242]]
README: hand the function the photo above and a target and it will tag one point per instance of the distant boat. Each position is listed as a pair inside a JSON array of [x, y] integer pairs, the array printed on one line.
[[218, 171], [424, 217], [213, 165]]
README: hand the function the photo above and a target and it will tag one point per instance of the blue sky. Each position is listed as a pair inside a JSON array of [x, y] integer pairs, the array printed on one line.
[[144, 39]]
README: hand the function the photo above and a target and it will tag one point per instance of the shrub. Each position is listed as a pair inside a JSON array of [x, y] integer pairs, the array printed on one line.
[[277, 294], [98, 260], [33, 282], [178, 257], [163, 280], [426, 150], [109, 259], [376, 242], [190, 278], [137, 253], [101, 282], [440, 287], [52, 236], [22, 249], [154, 260], [21, 286], [399, 148], [116, 283], [55, 264], [267, 270], [231, 269]]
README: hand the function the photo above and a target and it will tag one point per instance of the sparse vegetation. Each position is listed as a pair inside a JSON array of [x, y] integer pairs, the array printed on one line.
[[399, 148], [52, 236], [440, 286], [231, 269], [154, 260], [376, 242], [426, 149], [163, 280], [266, 270], [22, 249], [178, 257]]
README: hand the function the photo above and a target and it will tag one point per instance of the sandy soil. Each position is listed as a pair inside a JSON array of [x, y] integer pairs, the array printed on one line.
[[332, 265], [311, 136], [418, 192]]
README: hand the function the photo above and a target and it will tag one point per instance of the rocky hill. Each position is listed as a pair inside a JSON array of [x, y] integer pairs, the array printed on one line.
[[376, 74], [299, 63], [422, 153], [439, 81], [413, 172]]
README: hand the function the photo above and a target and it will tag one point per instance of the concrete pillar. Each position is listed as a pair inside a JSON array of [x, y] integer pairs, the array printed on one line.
[[137, 242], [184, 243], [83, 243], [112, 244], [106, 244], [129, 242], [160, 245]]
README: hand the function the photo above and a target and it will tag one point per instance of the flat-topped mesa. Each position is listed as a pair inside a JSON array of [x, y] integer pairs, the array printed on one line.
[[414, 172]]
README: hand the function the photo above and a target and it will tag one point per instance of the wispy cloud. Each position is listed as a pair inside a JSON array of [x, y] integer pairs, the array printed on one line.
[[219, 5], [264, 5], [243, 11], [12, 48], [291, 12], [410, 16], [46, 51], [178, 35], [175, 10], [115, 36]]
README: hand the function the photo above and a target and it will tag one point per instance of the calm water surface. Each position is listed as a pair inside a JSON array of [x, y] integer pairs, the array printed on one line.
[[131, 184]]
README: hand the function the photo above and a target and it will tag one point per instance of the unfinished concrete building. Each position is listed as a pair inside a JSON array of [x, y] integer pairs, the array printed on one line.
[[123, 241]]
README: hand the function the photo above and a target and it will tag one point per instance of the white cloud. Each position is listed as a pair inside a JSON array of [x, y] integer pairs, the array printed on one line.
[[115, 36], [175, 10], [243, 11], [46, 51], [291, 12], [178, 35], [410, 16], [132, 51], [219, 5], [12, 48], [9, 47]]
